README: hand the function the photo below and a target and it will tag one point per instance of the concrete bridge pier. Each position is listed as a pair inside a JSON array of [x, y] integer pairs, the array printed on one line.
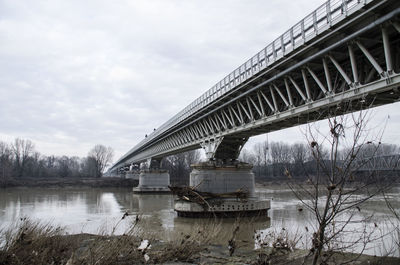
[[229, 185], [223, 178], [153, 179]]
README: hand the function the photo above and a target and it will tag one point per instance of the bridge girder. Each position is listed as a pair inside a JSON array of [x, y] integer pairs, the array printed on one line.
[[344, 75], [378, 163]]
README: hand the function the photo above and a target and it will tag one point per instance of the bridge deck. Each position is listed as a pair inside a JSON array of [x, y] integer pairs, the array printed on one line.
[[342, 57]]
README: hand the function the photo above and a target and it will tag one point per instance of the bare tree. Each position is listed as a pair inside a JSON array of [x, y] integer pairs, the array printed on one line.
[[280, 157], [259, 156], [266, 156], [5, 161], [178, 166], [19, 159], [300, 155], [332, 195], [247, 156], [22, 150], [102, 157], [378, 149], [88, 167]]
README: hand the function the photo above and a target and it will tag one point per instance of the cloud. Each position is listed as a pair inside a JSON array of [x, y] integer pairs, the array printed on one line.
[[78, 73]]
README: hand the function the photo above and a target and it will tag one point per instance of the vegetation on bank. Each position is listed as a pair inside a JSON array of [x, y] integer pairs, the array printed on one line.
[[270, 160], [20, 160], [37, 243], [21, 164]]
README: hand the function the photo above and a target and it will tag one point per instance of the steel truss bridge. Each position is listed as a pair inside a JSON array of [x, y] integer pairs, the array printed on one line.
[[382, 163], [343, 57]]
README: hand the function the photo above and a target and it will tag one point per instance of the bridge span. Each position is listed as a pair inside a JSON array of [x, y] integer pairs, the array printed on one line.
[[343, 57], [379, 163]]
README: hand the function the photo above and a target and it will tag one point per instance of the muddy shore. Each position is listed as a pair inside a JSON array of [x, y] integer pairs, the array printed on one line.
[[126, 249]]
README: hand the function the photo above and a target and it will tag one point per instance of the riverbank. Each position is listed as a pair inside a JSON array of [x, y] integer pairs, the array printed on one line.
[[34, 243], [69, 182]]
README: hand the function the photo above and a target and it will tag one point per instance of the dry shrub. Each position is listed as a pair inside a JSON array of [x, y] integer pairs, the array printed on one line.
[[35, 243], [113, 249], [275, 246], [30, 242], [109, 250], [282, 240], [124, 249]]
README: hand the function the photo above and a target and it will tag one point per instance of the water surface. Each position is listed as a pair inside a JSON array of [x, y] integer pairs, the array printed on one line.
[[100, 210]]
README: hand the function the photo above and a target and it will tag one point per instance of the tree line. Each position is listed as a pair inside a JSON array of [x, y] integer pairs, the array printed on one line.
[[178, 166], [272, 160], [20, 159]]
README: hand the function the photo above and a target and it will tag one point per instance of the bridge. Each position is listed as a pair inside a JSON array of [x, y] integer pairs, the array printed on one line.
[[343, 57], [379, 163]]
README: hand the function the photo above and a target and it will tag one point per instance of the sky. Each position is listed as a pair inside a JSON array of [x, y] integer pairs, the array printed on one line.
[[74, 74]]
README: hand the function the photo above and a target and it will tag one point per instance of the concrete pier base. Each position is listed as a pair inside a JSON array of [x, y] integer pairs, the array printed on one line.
[[209, 177], [223, 181], [226, 207], [153, 181]]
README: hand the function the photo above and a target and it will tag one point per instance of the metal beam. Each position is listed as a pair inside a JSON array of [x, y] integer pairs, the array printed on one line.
[[277, 71]]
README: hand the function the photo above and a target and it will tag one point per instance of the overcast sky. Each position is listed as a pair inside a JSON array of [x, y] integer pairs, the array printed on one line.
[[78, 73]]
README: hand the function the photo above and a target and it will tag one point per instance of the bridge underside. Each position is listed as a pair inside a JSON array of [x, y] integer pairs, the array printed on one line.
[[352, 66]]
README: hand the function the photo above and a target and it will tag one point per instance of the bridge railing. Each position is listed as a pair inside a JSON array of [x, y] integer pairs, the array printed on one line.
[[327, 15]]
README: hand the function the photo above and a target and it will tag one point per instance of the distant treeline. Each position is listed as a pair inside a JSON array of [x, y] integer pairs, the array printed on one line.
[[275, 160], [19, 159], [272, 161]]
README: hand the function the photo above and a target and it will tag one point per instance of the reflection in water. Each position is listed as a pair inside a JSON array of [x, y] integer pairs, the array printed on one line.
[[224, 228], [100, 210], [77, 210], [289, 214]]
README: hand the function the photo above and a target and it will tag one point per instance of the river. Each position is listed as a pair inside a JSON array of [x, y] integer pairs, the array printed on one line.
[[99, 211]]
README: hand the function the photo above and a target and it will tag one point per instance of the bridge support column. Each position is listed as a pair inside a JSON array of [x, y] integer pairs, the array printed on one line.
[[152, 179], [220, 179], [226, 186]]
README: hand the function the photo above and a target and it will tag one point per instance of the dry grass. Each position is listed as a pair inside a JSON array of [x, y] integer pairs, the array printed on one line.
[[108, 250], [31, 242], [35, 243]]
